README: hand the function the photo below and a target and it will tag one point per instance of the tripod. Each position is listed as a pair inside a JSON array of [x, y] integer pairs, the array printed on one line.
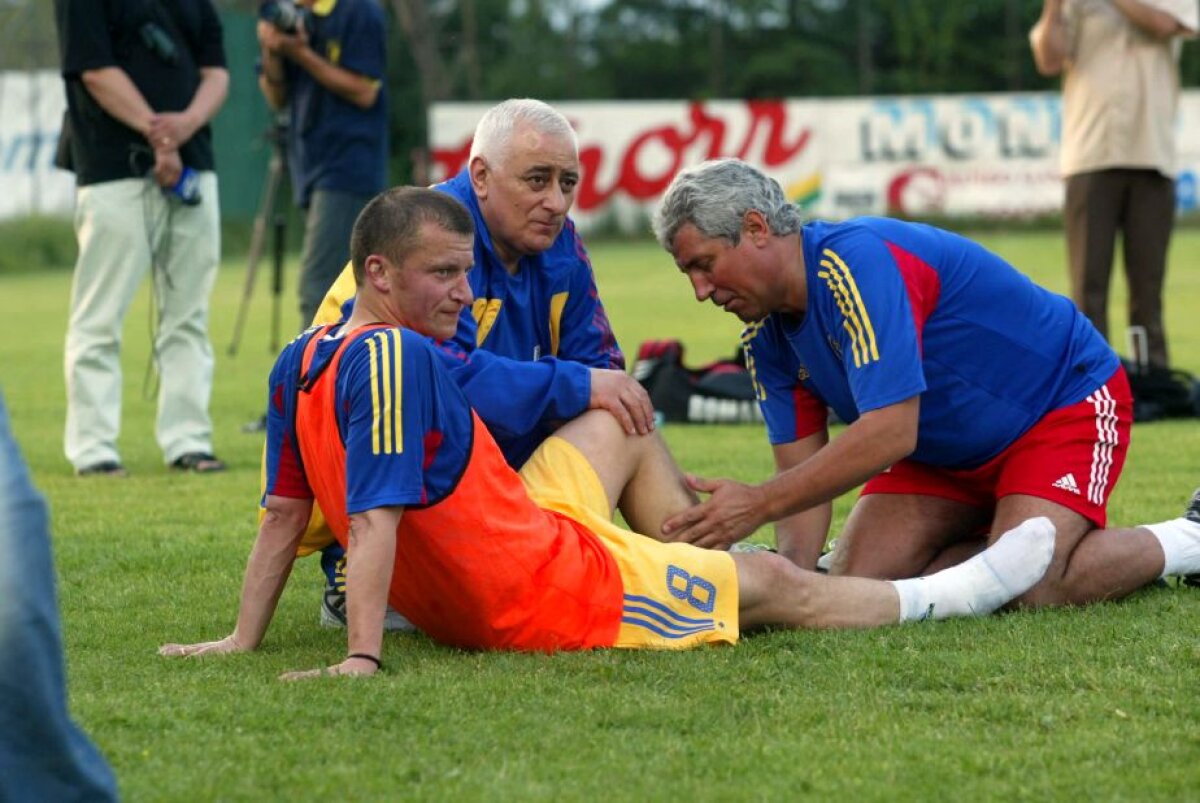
[[276, 176]]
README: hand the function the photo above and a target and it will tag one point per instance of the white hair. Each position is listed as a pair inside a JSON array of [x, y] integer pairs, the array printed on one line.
[[493, 134]]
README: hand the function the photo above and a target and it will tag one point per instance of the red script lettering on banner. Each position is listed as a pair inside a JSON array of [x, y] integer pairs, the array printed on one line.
[[704, 135]]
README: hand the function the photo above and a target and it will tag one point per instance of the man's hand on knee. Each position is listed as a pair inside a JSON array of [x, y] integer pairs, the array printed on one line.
[[624, 397]]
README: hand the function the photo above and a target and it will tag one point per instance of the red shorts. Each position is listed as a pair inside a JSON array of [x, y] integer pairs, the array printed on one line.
[[1072, 457]]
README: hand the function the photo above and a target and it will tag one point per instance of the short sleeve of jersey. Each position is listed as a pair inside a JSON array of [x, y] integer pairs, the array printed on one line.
[[383, 418], [866, 315], [83, 37], [364, 41], [791, 412], [211, 51], [284, 467]]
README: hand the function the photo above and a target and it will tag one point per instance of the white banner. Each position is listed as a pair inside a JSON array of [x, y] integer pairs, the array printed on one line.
[[31, 110], [991, 155]]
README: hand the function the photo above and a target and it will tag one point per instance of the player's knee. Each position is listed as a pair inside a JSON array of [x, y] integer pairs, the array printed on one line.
[[773, 590]]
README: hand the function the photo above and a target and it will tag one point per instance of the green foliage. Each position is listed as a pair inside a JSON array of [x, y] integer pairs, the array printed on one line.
[[35, 244], [1026, 706]]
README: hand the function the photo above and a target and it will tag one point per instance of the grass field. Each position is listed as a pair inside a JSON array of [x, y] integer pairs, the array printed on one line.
[[1100, 703]]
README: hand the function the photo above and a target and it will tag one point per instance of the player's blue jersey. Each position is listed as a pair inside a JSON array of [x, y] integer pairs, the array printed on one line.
[[898, 309], [406, 427], [546, 320]]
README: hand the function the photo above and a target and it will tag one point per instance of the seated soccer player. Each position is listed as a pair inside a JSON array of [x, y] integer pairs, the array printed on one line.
[[535, 348], [365, 419]]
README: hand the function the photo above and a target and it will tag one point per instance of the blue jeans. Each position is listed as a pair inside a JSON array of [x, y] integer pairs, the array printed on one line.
[[43, 754]]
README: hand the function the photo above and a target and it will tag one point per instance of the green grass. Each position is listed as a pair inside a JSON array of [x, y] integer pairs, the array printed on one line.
[[1059, 705]]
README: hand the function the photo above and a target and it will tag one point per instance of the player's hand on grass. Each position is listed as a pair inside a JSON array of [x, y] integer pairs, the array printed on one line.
[[226, 645], [624, 397], [356, 667], [732, 511]]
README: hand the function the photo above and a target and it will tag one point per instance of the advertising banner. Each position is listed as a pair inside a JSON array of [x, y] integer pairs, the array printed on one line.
[[31, 111], [989, 156]]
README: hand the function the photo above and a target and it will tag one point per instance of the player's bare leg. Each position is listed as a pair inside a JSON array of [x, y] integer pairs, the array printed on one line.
[[772, 590], [637, 471], [889, 536], [1091, 564]]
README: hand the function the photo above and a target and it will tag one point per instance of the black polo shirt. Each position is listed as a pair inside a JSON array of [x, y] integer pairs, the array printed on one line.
[[110, 33]]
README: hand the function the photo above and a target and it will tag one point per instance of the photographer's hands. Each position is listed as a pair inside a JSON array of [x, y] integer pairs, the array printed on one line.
[[279, 44]]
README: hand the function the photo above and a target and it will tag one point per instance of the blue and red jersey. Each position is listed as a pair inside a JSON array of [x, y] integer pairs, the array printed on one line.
[[373, 419], [899, 309]]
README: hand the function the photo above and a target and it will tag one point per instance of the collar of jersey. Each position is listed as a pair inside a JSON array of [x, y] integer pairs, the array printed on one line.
[[323, 8]]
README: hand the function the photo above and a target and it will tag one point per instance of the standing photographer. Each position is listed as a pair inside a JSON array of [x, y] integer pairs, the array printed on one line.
[[143, 79], [325, 62]]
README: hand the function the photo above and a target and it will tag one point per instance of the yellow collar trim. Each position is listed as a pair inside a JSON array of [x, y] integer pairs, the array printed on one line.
[[323, 8]]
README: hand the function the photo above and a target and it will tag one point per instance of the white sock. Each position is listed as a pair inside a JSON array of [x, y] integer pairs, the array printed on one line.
[[1006, 569], [1180, 540]]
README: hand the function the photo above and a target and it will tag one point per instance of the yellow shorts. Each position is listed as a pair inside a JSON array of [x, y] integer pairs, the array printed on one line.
[[676, 595]]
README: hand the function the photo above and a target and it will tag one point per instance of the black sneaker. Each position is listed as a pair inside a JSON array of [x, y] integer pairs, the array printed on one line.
[[333, 598], [1192, 514], [105, 468]]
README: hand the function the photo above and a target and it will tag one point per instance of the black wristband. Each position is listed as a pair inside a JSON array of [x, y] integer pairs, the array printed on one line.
[[365, 657]]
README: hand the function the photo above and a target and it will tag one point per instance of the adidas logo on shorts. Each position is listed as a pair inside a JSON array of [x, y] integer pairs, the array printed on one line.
[[1067, 483]]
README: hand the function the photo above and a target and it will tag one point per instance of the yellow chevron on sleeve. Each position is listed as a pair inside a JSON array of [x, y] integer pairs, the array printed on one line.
[[558, 301], [845, 289], [484, 311]]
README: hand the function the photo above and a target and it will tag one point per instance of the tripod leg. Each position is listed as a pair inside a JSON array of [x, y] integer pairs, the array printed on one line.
[[266, 209], [277, 278]]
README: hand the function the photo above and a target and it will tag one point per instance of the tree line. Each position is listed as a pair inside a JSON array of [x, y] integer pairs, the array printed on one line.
[[666, 49]]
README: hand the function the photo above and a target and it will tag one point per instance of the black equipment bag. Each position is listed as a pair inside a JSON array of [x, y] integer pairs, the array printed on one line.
[[721, 392]]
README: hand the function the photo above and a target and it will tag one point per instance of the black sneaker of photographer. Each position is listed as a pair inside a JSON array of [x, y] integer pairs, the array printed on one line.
[[105, 468]]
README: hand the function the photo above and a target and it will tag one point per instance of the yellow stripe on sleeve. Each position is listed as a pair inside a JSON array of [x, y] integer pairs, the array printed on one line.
[[374, 363], [558, 302], [845, 306], [858, 311], [384, 413], [397, 406]]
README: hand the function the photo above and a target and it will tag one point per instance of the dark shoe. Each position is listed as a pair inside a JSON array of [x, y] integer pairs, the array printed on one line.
[[1192, 514], [198, 462], [105, 468], [333, 598]]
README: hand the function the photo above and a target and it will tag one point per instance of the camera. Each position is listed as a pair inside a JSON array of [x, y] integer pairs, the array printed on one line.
[[159, 42], [286, 15], [187, 189]]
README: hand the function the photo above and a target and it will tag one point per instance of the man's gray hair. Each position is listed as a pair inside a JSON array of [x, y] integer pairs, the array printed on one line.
[[715, 196], [493, 134]]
